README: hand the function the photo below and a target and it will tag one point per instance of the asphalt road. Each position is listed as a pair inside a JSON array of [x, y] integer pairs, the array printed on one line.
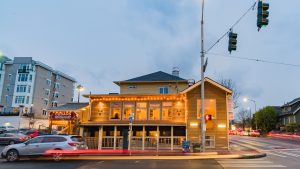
[[280, 154]]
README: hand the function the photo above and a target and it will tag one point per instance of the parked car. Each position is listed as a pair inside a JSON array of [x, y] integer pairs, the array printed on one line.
[[232, 132], [40, 145], [244, 133], [6, 128], [24, 130], [12, 138], [254, 133], [35, 133]]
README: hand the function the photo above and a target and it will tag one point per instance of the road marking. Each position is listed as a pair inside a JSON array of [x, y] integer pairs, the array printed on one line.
[[244, 162], [251, 166], [290, 154], [137, 161], [101, 162], [248, 163], [276, 154]]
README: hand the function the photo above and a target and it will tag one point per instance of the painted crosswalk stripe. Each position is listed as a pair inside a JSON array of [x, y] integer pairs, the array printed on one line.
[[290, 154], [276, 154]]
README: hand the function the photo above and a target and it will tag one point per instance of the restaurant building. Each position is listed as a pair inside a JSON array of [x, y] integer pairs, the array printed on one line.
[[165, 110]]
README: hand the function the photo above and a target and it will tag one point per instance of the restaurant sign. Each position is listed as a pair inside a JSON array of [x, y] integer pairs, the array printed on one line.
[[63, 115]]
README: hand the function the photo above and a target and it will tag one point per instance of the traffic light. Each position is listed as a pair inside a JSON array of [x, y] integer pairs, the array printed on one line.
[[232, 41], [208, 117], [262, 14]]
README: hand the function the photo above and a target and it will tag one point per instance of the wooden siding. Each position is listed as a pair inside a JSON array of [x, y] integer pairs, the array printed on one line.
[[151, 88]]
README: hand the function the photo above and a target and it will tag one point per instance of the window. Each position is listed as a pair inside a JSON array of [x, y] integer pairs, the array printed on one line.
[[29, 89], [167, 110], [53, 139], [141, 111], [19, 99], [46, 101], [115, 112], [27, 99], [50, 73], [48, 82], [128, 109], [23, 77], [8, 87], [57, 77], [47, 92], [131, 87], [35, 140], [210, 141], [30, 78], [210, 107], [6, 98], [21, 88], [44, 112], [54, 104], [9, 76], [163, 90], [154, 111], [56, 86], [55, 94]]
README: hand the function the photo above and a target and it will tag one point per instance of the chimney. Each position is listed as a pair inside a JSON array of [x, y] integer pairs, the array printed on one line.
[[175, 71]]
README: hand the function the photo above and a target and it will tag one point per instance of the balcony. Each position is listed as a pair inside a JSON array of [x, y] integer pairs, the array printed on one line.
[[24, 70], [9, 113]]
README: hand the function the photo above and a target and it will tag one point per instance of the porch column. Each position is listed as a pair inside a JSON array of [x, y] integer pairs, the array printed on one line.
[[100, 137], [172, 138], [157, 146], [81, 129], [115, 137], [143, 138]]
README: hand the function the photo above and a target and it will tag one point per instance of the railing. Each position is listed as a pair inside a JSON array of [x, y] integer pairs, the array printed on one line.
[[165, 142], [108, 142], [177, 141], [150, 142], [136, 142], [9, 114], [92, 142]]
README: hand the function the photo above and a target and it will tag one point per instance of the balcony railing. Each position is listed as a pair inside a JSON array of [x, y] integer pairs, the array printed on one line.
[[9, 113], [24, 70]]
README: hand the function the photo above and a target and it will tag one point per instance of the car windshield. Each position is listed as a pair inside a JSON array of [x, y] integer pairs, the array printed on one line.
[[10, 127], [77, 138]]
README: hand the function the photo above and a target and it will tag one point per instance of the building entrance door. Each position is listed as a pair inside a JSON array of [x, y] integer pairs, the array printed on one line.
[[125, 138]]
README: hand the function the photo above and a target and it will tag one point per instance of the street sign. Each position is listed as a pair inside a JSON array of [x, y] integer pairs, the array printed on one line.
[[130, 119]]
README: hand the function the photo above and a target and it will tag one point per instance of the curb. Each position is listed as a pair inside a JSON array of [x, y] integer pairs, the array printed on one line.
[[253, 156]]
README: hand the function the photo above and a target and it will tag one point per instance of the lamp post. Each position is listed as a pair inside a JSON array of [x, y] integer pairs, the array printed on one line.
[[79, 88], [246, 100], [21, 107]]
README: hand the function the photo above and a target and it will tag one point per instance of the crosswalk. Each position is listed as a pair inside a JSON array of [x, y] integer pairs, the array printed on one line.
[[248, 163], [284, 153]]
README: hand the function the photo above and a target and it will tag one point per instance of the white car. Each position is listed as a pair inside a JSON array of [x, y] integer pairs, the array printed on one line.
[[6, 128], [41, 144]]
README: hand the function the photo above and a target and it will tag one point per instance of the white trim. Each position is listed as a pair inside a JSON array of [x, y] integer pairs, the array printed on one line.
[[296, 110], [206, 80]]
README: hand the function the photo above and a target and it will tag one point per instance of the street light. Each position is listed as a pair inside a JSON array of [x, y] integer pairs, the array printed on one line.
[[246, 100], [79, 88]]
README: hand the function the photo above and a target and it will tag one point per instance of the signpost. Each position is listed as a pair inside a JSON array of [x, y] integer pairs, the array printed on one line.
[[130, 131]]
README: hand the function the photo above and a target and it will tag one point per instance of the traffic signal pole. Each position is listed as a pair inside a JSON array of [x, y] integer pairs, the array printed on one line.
[[203, 127]]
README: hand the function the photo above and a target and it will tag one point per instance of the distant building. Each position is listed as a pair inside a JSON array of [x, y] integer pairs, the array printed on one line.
[[31, 88], [290, 112]]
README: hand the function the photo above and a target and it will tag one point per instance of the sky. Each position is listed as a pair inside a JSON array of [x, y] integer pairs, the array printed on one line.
[[101, 41]]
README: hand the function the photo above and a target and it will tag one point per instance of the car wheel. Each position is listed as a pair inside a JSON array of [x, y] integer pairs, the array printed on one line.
[[11, 142], [12, 155], [57, 156]]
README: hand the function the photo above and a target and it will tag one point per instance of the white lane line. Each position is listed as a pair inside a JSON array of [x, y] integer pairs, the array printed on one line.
[[290, 154], [251, 166], [101, 162], [245, 162], [275, 154]]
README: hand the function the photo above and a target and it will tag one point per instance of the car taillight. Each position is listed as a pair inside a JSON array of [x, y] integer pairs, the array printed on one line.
[[73, 144], [21, 138]]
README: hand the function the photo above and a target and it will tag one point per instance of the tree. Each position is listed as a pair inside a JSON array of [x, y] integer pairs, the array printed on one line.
[[243, 115], [266, 119], [229, 83]]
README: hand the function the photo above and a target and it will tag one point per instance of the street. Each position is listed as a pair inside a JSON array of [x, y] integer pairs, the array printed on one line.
[[280, 154]]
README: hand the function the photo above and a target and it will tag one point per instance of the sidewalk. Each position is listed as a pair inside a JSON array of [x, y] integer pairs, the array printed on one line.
[[161, 155]]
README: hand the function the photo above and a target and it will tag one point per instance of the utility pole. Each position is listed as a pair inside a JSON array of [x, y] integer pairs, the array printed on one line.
[[203, 127]]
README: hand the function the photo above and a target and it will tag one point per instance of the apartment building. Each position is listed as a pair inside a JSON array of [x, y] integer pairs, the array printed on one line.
[[28, 88]]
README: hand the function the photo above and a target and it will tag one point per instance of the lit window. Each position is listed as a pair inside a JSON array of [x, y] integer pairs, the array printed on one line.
[[154, 111], [210, 107], [115, 110], [141, 111], [210, 141], [167, 110], [128, 109], [163, 90]]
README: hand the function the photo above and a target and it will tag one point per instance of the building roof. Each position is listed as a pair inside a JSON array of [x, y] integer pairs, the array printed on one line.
[[206, 79], [159, 76], [292, 102], [70, 106]]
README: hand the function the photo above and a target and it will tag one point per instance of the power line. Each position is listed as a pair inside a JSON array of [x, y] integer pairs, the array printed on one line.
[[252, 7], [257, 60]]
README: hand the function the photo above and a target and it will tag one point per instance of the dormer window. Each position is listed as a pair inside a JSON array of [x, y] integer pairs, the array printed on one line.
[[131, 87], [163, 90]]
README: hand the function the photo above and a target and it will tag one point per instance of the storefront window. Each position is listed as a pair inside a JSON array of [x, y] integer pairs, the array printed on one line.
[[167, 112], [210, 141], [154, 111], [128, 109], [141, 111], [115, 110], [210, 107]]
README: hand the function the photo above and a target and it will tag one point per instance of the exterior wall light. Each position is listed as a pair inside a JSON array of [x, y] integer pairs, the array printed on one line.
[[221, 125], [193, 124]]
